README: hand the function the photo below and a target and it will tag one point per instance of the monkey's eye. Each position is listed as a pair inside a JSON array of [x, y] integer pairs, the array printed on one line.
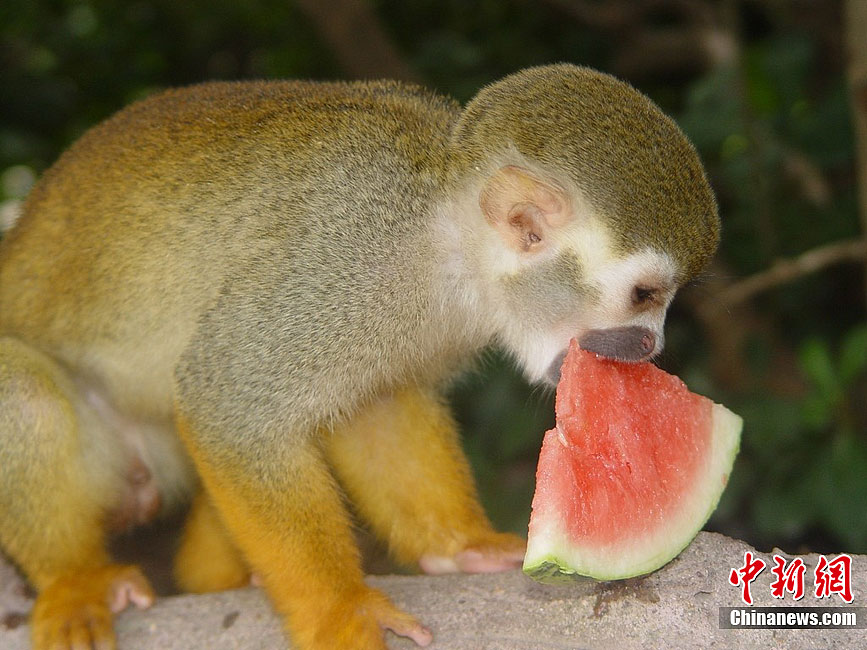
[[644, 296]]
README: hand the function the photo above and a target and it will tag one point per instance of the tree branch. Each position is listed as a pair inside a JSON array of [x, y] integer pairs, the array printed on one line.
[[856, 38], [786, 270], [695, 41], [601, 15], [355, 35]]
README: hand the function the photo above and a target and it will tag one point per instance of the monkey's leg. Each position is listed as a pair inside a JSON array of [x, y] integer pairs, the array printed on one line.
[[53, 498], [208, 559], [401, 463], [281, 506]]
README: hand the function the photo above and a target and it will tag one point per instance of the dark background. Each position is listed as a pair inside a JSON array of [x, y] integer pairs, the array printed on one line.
[[761, 88]]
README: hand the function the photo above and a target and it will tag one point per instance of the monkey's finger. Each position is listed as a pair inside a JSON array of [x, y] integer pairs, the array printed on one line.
[[475, 561], [471, 561], [94, 633], [391, 618], [494, 552], [409, 627], [92, 630], [130, 586], [66, 621]]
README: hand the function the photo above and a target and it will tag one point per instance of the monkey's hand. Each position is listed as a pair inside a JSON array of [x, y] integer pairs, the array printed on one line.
[[364, 617], [487, 554], [74, 611]]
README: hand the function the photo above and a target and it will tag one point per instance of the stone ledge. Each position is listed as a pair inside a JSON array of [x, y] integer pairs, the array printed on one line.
[[676, 607]]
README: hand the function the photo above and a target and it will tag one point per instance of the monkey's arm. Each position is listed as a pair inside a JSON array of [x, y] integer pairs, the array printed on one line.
[[401, 463], [284, 512]]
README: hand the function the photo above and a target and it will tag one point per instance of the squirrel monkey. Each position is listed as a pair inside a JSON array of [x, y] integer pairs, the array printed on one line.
[[253, 293]]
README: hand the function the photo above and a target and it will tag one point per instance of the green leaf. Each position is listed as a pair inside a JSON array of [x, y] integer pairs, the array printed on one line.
[[853, 355], [817, 364], [842, 502], [817, 412]]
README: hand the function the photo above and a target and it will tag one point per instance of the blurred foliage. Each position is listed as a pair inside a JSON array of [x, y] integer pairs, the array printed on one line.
[[771, 122], [807, 458]]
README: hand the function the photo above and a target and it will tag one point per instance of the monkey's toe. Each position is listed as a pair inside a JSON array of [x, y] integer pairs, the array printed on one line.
[[391, 618], [75, 611], [490, 554]]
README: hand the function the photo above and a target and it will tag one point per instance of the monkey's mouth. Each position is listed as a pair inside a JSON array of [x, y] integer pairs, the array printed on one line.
[[630, 343]]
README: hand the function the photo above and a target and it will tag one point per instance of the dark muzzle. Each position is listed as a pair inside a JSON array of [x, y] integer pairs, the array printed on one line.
[[621, 343]]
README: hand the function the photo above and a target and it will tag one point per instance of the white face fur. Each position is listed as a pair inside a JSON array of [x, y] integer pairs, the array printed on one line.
[[613, 293], [540, 268]]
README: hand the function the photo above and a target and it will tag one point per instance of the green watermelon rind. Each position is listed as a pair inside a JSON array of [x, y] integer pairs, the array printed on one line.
[[552, 558]]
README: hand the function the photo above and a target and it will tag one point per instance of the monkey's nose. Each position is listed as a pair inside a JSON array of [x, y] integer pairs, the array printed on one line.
[[621, 343], [648, 342]]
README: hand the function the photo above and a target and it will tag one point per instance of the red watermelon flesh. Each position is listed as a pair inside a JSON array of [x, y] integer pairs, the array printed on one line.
[[630, 474]]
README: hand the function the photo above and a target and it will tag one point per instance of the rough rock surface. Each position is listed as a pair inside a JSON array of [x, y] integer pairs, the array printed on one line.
[[676, 607]]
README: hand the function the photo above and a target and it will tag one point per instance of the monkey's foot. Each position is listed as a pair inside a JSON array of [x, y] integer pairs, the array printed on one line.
[[358, 622], [489, 554], [75, 610], [389, 617]]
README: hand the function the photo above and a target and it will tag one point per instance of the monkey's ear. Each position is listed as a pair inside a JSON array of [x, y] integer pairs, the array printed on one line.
[[523, 208]]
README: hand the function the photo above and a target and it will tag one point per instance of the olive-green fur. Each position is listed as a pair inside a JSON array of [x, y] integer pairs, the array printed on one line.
[[637, 169]]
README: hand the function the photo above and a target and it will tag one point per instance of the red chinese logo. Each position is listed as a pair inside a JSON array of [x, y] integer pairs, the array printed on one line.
[[834, 577], [746, 574], [789, 578], [831, 577]]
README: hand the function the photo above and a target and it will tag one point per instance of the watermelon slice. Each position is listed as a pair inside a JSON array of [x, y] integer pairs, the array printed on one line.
[[632, 471]]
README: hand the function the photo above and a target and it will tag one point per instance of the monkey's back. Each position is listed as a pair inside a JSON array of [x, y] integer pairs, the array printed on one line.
[[128, 238]]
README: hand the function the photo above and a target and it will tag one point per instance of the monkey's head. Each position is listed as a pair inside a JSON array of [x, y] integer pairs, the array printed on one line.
[[592, 210]]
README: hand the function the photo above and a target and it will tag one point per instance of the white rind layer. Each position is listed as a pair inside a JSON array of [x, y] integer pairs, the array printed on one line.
[[552, 557]]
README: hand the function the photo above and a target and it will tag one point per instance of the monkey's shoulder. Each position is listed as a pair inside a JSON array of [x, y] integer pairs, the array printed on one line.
[[287, 109]]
